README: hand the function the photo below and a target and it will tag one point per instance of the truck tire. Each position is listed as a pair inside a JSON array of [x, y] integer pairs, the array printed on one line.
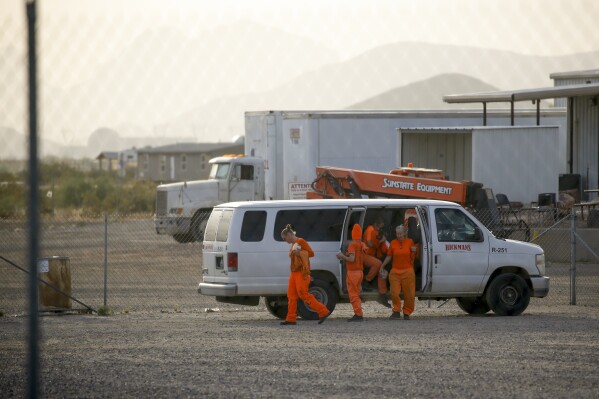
[[182, 238], [473, 305], [324, 293], [198, 226], [276, 306], [508, 295]]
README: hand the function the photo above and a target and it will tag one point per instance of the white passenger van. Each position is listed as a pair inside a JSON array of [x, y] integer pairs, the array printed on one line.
[[244, 257]]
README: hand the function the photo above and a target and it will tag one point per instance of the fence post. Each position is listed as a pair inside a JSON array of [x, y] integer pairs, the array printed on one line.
[[573, 257], [105, 257], [33, 351]]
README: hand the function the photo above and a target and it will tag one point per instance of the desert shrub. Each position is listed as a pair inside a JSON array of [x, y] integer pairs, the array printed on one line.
[[12, 198], [138, 197], [65, 187], [72, 192]]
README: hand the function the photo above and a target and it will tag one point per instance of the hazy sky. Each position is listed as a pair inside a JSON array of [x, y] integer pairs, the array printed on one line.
[[541, 27], [82, 42]]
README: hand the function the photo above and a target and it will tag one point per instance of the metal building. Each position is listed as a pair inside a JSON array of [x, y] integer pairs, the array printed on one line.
[[355, 139], [582, 122], [573, 78], [519, 161]]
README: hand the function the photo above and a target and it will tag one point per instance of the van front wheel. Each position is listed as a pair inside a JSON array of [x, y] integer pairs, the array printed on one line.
[[324, 293], [508, 295]]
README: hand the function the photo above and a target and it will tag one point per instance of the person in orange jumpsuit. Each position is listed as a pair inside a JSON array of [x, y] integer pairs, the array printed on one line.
[[354, 262], [402, 277], [299, 279], [373, 242], [381, 251]]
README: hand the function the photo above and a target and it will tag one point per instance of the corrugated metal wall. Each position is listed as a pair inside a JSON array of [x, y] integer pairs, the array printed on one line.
[[563, 102], [521, 161], [586, 139], [450, 152]]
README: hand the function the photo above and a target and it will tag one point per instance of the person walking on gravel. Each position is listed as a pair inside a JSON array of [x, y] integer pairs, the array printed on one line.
[[402, 277], [299, 279], [354, 263]]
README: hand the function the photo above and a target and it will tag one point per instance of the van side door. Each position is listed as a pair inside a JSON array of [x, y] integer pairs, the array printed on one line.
[[460, 252], [424, 230]]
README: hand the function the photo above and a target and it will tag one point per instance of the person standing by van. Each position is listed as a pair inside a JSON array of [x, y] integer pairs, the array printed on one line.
[[354, 263], [372, 240], [299, 279], [402, 277]]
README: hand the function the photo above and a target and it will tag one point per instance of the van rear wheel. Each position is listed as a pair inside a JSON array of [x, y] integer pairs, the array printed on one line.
[[324, 293], [473, 305], [508, 295], [276, 306]]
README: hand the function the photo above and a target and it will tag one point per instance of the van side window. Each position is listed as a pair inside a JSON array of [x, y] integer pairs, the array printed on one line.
[[311, 224], [252, 228], [454, 225]]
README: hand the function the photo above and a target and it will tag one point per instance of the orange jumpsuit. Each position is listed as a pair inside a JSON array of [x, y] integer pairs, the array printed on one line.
[[402, 276], [299, 281], [355, 275], [370, 259], [381, 251]]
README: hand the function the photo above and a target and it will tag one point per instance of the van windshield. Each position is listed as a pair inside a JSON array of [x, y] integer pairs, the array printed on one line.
[[219, 171]]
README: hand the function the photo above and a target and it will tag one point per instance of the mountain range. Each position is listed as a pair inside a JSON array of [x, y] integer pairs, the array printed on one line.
[[402, 75], [166, 84]]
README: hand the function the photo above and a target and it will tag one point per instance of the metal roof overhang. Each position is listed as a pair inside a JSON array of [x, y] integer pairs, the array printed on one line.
[[511, 96], [586, 74]]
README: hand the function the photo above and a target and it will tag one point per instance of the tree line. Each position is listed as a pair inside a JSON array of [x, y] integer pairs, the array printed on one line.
[[66, 187]]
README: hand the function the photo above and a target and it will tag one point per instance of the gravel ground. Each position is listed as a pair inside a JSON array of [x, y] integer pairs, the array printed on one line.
[[549, 351]]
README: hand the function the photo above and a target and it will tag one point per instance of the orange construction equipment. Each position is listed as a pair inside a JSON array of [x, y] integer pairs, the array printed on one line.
[[407, 182]]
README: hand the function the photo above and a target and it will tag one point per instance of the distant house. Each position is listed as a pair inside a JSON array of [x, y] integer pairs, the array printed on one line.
[[118, 160], [111, 158], [181, 162]]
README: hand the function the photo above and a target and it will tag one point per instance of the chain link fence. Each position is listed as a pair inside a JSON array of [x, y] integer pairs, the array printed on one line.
[[155, 273], [110, 82], [144, 271], [570, 242]]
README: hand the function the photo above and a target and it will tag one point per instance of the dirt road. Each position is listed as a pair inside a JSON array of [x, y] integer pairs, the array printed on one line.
[[549, 351]]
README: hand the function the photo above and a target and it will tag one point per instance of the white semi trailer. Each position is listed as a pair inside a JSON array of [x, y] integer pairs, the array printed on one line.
[[283, 148]]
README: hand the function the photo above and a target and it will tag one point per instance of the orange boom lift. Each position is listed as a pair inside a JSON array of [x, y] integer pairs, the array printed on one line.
[[405, 182]]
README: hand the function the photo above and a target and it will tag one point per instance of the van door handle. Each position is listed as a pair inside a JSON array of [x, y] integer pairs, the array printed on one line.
[[436, 259]]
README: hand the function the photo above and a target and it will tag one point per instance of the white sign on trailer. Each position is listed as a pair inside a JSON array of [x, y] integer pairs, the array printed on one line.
[[299, 190]]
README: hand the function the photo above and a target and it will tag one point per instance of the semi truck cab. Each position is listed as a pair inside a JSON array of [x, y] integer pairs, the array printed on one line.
[[182, 209]]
